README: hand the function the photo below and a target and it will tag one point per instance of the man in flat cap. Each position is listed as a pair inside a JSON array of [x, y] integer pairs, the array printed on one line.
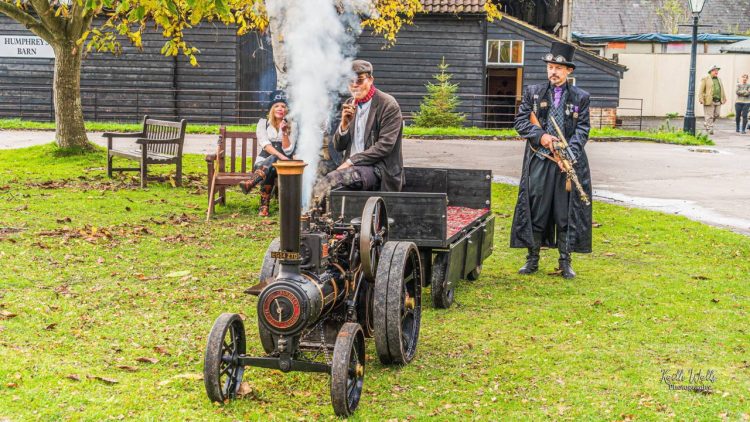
[[370, 137], [712, 96], [547, 213]]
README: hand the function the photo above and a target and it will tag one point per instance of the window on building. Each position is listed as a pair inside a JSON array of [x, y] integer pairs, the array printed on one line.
[[508, 52]]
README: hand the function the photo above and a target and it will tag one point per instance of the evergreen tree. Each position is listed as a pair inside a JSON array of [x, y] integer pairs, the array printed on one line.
[[438, 108]]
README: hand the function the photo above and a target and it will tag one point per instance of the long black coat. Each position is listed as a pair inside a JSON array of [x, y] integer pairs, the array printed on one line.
[[576, 129], [382, 141]]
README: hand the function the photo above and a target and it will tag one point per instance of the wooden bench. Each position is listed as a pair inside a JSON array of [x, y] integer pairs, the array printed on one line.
[[240, 148], [160, 142]]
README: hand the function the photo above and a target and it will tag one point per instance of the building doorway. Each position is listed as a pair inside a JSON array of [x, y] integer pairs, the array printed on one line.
[[503, 96]]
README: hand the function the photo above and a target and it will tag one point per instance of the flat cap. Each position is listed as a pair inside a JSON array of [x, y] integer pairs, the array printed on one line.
[[362, 66]]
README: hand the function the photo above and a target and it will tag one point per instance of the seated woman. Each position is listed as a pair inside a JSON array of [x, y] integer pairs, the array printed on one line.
[[275, 144]]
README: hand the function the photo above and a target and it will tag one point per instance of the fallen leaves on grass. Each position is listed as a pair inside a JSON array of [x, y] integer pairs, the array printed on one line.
[[109, 381], [128, 368], [7, 314], [177, 274], [161, 350], [73, 377], [94, 234], [147, 360]]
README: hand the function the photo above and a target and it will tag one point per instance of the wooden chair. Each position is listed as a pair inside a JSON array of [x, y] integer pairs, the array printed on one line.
[[240, 148], [160, 142]]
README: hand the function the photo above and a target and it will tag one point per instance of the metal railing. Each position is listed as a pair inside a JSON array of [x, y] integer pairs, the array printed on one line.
[[246, 107]]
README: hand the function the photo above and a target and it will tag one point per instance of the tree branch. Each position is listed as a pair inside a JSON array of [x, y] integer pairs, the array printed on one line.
[[79, 22], [26, 19], [46, 15]]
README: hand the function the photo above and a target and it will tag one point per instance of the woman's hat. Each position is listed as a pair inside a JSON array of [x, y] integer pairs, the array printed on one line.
[[278, 96], [561, 53]]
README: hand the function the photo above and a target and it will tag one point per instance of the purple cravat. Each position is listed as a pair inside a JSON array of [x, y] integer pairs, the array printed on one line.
[[558, 95]]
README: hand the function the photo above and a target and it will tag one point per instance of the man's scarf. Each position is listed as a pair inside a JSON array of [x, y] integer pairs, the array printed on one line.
[[367, 97]]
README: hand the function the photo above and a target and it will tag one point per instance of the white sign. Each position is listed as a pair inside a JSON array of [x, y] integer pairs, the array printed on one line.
[[25, 47]]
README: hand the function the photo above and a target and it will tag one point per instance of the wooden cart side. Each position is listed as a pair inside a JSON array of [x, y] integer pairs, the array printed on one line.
[[417, 216], [469, 251], [469, 188]]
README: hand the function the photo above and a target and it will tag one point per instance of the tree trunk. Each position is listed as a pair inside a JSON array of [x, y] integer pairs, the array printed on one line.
[[69, 128]]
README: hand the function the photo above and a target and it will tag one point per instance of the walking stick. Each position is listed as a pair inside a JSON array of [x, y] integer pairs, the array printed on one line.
[[213, 183]]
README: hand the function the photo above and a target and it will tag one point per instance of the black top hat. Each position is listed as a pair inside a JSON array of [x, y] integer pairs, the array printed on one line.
[[278, 96], [561, 53]]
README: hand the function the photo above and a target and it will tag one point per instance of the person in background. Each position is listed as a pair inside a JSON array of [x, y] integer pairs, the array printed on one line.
[[742, 105], [712, 96], [275, 143]]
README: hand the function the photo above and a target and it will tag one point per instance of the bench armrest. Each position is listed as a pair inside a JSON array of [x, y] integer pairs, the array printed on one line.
[[146, 141], [121, 135]]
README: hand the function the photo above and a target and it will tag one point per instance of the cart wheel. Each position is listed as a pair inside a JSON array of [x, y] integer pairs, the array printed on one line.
[[270, 266], [221, 373], [475, 273], [348, 369], [373, 235], [398, 303], [442, 296]]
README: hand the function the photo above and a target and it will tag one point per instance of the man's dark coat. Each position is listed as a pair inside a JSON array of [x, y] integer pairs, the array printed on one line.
[[382, 141], [576, 129]]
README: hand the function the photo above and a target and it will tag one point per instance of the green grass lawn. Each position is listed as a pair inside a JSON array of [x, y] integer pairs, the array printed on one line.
[[604, 134], [108, 292]]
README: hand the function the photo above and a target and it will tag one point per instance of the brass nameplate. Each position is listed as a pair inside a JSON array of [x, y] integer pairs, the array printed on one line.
[[285, 255]]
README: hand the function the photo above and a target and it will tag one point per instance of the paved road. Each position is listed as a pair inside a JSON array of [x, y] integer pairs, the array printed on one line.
[[712, 187]]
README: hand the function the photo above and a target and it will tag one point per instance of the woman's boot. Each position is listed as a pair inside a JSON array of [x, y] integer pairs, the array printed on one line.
[[256, 177], [265, 200]]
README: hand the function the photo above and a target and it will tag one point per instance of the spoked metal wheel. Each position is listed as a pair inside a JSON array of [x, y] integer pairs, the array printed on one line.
[[222, 374], [373, 235], [398, 303], [348, 369], [475, 273], [442, 292]]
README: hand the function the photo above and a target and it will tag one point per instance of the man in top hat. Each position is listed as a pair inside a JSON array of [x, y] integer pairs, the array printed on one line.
[[712, 96], [370, 137], [546, 213]]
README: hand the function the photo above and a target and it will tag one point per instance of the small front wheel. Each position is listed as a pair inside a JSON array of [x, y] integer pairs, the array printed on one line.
[[222, 373], [348, 369]]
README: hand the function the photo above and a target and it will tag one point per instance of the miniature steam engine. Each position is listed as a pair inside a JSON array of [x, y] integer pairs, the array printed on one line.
[[327, 284]]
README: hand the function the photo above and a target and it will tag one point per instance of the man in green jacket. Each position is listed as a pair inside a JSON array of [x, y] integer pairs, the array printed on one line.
[[712, 96]]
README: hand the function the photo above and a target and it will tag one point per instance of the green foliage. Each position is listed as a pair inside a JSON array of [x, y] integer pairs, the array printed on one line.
[[651, 297], [438, 108]]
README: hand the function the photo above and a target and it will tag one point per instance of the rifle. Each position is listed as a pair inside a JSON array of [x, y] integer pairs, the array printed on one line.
[[564, 156]]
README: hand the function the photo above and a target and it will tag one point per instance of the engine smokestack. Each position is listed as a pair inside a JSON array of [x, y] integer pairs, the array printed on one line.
[[290, 207]]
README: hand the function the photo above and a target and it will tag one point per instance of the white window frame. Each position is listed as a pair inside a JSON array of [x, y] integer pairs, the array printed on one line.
[[511, 63]]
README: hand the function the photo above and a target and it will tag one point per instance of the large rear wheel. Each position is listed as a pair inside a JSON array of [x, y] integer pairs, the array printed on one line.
[[398, 303]]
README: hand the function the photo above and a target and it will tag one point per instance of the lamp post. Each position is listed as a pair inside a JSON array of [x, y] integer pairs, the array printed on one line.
[[696, 6]]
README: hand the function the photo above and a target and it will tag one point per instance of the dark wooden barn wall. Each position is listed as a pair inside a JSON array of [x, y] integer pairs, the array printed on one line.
[[598, 78], [403, 69], [135, 83]]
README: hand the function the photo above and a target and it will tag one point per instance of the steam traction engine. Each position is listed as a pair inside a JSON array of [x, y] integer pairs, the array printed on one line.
[[329, 284]]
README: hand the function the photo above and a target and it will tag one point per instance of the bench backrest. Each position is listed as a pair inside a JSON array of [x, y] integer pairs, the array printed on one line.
[[163, 129], [237, 147]]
